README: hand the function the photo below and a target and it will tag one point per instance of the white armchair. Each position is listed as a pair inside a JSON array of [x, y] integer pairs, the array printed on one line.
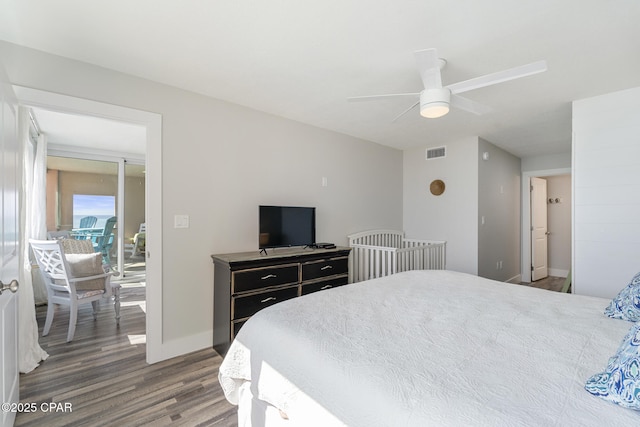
[[72, 279]]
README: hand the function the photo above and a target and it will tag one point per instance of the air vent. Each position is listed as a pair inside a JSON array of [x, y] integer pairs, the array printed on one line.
[[435, 153]]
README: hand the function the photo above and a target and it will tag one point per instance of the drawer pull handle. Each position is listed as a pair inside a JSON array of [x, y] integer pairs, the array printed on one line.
[[326, 267], [268, 276], [325, 287], [268, 299]]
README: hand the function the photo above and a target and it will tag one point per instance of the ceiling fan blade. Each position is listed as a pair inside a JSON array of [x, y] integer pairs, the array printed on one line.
[[377, 97], [405, 111], [429, 68], [469, 105], [499, 77]]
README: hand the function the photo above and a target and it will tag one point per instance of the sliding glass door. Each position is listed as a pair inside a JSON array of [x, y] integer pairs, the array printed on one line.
[[81, 189]]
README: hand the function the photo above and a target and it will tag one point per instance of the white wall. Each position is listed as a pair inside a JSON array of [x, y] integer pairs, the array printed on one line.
[[498, 213], [220, 161], [452, 216], [606, 173], [559, 224], [547, 162]]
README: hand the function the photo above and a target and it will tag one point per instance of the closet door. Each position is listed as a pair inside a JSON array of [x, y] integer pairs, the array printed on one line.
[[539, 231]]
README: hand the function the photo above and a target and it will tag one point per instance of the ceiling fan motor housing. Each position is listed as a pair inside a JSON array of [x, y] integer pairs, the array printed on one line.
[[434, 103]]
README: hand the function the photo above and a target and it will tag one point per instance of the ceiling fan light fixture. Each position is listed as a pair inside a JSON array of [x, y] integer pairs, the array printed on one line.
[[434, 103], [435, 110]]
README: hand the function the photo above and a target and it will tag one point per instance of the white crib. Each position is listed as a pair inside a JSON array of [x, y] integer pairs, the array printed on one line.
[[378, 253]]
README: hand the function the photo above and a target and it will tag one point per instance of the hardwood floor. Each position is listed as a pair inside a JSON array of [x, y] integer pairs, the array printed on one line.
[[550, 283], [103, 378]]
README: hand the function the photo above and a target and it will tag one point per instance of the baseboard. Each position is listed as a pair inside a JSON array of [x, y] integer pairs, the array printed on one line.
[[556, 272], [182, 346], [517, 279]]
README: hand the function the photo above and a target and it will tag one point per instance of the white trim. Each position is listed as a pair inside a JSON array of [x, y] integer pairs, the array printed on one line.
[[574, 288], [556, 272], [525, 262], [61, 150], [185, 345], [156, 349], [120, 214], [517, 279]]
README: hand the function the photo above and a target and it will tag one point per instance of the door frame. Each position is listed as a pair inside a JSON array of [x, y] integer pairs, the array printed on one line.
[[156, 351], [525, 226], [119, 162]]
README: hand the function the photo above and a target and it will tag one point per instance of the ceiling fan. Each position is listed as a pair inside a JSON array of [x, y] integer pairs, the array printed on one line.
[[434, 99]]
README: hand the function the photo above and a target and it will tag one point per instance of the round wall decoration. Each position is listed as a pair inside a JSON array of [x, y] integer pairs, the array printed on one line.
[[436, 187]]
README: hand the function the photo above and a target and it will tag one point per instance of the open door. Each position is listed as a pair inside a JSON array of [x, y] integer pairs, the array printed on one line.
[[539, 232], [9, 250]]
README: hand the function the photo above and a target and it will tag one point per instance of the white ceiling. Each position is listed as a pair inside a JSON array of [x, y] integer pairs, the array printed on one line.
[[301, 60], [91, 132]]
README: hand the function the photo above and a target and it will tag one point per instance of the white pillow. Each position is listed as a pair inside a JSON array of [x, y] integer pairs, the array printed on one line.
[[83, 265]]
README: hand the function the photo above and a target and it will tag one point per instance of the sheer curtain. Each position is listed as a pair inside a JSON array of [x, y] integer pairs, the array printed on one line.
[[33, 226]]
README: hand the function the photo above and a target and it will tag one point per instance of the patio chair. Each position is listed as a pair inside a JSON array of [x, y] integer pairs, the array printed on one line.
[[138, 242], [73, 279], [88, 222], [85, 228], [103, 242], [58, 235]]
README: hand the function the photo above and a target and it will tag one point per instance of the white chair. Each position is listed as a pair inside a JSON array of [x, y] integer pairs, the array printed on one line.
[[138, 242], [57, 235], [73, 279]]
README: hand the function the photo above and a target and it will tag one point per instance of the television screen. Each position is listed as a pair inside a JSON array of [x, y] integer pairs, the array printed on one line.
[[287, 226]]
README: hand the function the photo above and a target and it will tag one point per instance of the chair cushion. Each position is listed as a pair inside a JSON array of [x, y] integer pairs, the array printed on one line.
[[83, 265], [88, 294], [73, 246]]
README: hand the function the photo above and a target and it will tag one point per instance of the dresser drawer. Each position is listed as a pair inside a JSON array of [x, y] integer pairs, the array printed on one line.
[[324, 268], [260, 278], [245, 306], [324, 284], [236, 327]]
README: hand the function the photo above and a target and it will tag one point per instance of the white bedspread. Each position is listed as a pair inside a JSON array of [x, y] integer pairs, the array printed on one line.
[[427, 348]]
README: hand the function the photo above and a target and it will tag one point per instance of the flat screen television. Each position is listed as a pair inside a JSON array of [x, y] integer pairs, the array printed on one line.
[[282, 226]]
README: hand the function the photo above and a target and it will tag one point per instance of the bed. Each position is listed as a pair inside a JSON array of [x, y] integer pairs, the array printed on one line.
[[423, 348], [379, 253]]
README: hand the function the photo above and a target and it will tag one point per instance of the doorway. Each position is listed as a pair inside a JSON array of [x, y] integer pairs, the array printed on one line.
[[558, 204], [152, 125], [539, 229]]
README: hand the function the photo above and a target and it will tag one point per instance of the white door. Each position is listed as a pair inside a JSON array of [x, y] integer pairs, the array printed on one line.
[[539, 233], [9, 250]]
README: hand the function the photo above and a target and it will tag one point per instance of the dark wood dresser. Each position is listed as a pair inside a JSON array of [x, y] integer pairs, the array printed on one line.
[[246, 282]]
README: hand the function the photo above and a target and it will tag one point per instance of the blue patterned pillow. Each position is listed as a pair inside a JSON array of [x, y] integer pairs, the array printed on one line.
[[620, 382], [626, 305]]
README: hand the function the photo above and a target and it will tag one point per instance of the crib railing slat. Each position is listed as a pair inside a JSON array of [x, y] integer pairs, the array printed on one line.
[[379, 253]]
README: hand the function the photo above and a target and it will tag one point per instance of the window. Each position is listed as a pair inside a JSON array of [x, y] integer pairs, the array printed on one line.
[[102, 207]]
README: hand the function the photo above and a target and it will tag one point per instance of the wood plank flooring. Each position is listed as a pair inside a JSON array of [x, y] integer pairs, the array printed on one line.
[[550, 283], [103, 377]]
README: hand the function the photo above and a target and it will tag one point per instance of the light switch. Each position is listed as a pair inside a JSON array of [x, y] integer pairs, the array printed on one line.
[[181, 221]]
